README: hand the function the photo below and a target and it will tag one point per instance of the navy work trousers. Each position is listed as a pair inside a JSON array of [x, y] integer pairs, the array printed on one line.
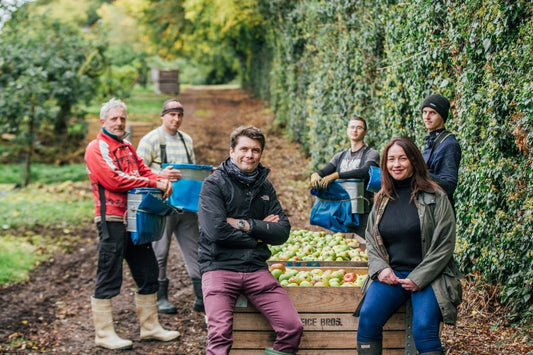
[[113, 248]]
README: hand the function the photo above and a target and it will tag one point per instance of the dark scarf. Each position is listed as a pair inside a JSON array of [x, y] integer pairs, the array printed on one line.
[[115, 137], [243, 176], [431, 137]]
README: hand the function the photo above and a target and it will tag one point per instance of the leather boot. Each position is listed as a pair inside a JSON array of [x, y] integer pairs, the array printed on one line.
[[104, 331], [199, 299], [163, 304], [147, 312], [271, 351], [369, 348]]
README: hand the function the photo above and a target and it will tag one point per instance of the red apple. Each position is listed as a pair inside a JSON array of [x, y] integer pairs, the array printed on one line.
[[349, 277]]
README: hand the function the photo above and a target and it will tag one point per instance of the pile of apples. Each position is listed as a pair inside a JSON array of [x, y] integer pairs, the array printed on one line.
[[304, 245], [288, 277]]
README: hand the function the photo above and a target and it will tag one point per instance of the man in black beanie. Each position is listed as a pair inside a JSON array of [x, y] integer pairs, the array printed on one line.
[[442, 152]]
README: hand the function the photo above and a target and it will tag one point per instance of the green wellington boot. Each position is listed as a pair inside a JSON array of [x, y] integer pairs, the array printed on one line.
[[199, 299], [163, 304]]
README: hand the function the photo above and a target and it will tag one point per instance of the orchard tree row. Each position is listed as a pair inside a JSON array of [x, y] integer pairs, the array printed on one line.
[[329, 60]]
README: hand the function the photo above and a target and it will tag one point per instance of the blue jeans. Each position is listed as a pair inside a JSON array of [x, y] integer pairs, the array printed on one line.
[[382, 300]]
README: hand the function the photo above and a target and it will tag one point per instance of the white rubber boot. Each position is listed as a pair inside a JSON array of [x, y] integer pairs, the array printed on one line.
[[104, 330], [146, 306]]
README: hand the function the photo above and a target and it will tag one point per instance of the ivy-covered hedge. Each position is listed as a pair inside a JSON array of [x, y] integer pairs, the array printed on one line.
[[330, 60]]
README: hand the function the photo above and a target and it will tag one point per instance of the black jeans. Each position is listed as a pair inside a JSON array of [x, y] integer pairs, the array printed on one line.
[[112, 250]]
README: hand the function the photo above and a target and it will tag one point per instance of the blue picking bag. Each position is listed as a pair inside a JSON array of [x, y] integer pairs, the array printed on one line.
[[153, 204], [374, 183], [149, 228], [147, 215], [186, 194], [333, 209], [186, 191]]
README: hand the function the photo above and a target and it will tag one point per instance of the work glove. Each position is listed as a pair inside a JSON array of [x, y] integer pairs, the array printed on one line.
[[315, 181], [327, 179]]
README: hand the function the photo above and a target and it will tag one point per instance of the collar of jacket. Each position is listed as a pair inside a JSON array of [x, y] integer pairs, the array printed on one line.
[[120, 140], [263, 171]]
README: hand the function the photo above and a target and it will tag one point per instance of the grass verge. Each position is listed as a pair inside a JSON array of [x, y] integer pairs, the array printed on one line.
[[44, 173], [38, 220], [17, 258]]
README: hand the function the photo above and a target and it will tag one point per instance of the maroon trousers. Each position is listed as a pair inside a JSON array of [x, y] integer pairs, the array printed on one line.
[[221, 289]]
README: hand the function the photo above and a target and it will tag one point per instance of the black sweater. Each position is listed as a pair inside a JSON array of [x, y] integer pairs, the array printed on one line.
[[400, 229]]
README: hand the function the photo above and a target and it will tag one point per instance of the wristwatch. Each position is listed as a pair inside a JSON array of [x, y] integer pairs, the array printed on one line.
[[241, 224]]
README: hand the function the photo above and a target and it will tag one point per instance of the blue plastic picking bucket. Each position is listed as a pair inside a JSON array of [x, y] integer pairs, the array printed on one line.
[[144, 226], [374, 184], [186, 191]]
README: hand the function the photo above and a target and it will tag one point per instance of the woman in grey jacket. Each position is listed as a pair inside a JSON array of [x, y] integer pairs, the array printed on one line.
[[410, 242]]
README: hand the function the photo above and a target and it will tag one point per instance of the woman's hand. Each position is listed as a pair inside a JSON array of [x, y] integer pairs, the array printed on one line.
[[408, 285], [387, 276]]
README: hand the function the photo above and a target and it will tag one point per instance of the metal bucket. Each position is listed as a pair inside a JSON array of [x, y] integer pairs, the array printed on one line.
[[356, 189], [192, 171]]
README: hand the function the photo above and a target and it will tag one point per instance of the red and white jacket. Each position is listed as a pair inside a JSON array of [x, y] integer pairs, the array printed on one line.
[[115, 165]]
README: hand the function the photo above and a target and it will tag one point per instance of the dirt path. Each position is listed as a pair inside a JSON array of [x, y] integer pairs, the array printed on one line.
[[51, 313]]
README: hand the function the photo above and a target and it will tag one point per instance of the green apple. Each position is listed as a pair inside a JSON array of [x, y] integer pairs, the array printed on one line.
[[276, 273]]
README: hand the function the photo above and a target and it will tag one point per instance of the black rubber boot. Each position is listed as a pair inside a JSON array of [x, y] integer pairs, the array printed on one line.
[[369, 348], [163, 304], [199, 300]]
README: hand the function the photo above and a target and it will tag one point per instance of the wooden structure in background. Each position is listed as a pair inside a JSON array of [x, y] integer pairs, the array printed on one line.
[[136, 131], [166, 81]]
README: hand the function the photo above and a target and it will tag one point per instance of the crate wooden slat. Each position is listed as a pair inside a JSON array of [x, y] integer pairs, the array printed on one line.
[[314, 352], [315, 340], [318, 299], [314, 322], [336, 264]]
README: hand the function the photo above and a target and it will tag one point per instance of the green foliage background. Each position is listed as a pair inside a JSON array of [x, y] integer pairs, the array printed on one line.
[[333, 59], [318, 63]]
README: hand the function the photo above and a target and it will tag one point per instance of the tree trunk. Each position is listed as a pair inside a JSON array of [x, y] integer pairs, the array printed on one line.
[[60, 123], [26, 164]]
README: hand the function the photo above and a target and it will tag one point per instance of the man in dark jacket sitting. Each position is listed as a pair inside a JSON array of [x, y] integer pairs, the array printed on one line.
[[239, 216]]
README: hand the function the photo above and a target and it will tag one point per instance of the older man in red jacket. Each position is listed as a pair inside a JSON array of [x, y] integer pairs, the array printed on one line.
[[114, 168]]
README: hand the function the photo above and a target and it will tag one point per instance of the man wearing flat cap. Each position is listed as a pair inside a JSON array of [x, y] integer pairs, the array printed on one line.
[[168, 144], [442, 152]]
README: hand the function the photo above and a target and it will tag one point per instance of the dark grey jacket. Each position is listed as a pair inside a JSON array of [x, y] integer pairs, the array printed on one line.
[[222, 247], [437, 268]]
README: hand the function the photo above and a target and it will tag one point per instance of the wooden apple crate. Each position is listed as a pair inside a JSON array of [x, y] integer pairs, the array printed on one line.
[[329, 326]]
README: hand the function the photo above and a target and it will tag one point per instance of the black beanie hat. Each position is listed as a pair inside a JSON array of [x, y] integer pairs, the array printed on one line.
[[439, 103]]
